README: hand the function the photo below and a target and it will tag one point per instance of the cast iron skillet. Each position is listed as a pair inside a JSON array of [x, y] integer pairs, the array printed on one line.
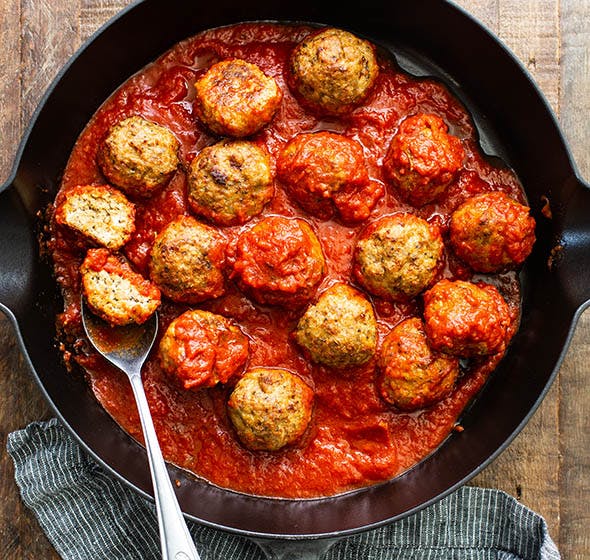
[[431, 37]]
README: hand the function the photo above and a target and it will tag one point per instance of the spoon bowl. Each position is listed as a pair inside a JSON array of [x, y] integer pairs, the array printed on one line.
[[127, 348]]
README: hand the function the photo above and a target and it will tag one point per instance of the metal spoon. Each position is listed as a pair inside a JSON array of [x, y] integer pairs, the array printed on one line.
[[127, 348]]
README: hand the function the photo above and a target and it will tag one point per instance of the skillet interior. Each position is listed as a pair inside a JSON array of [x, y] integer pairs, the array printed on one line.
[[434, 38]]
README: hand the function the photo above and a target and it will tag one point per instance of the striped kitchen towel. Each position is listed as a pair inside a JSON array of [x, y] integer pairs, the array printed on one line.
[[89, 515]]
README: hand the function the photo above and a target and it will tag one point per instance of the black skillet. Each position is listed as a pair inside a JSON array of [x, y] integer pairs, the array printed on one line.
[[430, 37]]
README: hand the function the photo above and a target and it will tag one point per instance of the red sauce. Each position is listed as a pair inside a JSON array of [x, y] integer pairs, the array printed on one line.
[[355, 438]]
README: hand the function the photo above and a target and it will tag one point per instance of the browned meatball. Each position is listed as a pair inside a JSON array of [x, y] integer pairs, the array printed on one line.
[[230, 182], [326, 172], [114, 291], [100, 213], [398, 256], [201, 349], [187, 260], [279, 261], [423, 159], [492, 232], [332, 71], [270, 408], [466, 319], [236, 98], [340, 330], [138, 155], [412, 374]]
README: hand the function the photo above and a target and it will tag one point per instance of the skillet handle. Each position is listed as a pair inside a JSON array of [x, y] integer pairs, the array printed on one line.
[[295, 550], [18, 250], [570, 257]]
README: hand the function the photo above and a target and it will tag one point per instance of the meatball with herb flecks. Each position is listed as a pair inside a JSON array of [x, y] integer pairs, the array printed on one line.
[[326, 173], [411, 374], [423, 159], [492, 232], [138, 156], [100, 213], [398, 256], [236, 98], [230, 182], [114, 291], [332, 71], [279, 261], [187, 259], [202, 349], [466, 319], [270, 408], [340, 329]]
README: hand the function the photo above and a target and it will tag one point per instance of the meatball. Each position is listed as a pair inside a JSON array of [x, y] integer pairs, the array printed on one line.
[[492, 232], [187, 260], [270, 408], [466, 319], [326, 172], [138, 156], [398, 256], [423, 159], [201, 349], [100, 213], [114, 291], [332, 71], [340, 330], [236, 98], [230, 182], [279, 261], [412, 374]]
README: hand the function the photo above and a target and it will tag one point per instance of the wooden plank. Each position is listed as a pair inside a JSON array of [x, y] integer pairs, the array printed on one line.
[[94, 13], [573, 378], [50, 35], [10, 130], [487, 13], [531, 29]]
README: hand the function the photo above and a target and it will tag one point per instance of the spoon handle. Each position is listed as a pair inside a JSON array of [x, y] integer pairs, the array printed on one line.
[[176, 541]]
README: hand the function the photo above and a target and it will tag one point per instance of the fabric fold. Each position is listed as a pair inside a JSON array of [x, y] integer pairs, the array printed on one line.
[[89, 515]]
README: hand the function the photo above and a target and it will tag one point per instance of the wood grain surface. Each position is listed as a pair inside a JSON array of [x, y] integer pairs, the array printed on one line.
[[547, 467]]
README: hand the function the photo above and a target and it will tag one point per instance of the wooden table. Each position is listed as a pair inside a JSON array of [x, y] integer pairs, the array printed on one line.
[[548, 466]]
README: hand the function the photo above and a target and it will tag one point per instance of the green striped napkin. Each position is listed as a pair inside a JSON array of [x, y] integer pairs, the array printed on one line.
[[89, 515]]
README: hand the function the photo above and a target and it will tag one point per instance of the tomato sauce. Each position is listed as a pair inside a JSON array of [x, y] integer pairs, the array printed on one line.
[[355, 439]]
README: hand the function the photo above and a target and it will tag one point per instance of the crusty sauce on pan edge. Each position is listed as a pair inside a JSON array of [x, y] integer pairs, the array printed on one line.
[[355, 439]]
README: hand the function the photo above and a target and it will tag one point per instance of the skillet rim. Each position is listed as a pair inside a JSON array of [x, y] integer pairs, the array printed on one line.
[[574, 318]]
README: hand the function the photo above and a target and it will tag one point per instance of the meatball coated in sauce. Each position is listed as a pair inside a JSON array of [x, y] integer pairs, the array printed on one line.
[[412, 374], [236, 98], [492, 232], [230, 182], [332, 71], [187, 259], [398, 256], [279, 261], [326, 172], [466, 319], [114, 291], [100, 213], [270, 408], [138, 156], [423, 159], [202, 349], [340, 329]]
